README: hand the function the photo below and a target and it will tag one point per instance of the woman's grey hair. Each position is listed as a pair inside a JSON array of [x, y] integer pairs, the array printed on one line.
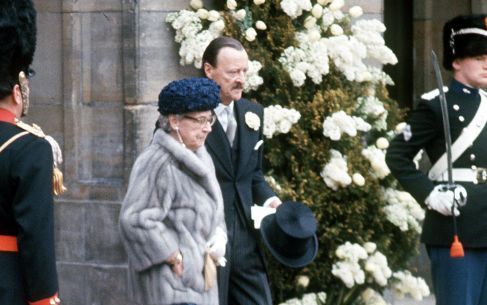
[[164, 123]]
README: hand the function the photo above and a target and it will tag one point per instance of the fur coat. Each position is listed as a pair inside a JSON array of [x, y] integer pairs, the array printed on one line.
[[173, 202]]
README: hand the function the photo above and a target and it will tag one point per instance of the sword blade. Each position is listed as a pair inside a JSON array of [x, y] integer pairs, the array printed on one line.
[[444, 115]]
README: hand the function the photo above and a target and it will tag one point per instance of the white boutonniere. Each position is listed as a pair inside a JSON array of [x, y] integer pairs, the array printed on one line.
[[252, 120]]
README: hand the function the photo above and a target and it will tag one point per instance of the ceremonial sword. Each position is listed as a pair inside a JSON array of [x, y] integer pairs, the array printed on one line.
[[456, 249]]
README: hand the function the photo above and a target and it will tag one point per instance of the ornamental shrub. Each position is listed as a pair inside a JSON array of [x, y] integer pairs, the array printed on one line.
[[328, 118]]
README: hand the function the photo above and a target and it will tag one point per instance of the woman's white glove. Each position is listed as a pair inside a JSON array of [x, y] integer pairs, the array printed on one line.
[[217, 246], [443, 197]]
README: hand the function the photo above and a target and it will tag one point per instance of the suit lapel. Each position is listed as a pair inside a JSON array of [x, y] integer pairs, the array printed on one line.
[[245, 136], [217, 143]]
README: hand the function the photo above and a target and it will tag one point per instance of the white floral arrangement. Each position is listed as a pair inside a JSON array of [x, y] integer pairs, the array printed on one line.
[[335, 172], [402, 210], [252, 120], [370, 107], [252, 78], [340, 123], [404, 283], [371, 297], [308, 299], [377, 159], [279, 120]]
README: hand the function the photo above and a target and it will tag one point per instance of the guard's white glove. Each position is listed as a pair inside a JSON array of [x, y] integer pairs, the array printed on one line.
[[217, 245], [443, 197]]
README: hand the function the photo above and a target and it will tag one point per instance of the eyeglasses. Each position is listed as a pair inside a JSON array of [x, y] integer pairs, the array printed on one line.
[[202, 121]]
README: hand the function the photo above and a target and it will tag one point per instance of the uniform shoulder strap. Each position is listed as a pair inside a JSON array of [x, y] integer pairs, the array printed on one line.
[[12, 139], [33, 129]]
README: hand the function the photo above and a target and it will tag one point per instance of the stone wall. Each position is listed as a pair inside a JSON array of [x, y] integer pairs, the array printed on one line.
[[100, 66]]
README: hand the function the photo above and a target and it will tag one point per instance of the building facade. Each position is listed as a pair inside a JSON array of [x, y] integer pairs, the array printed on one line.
[[100, 66]]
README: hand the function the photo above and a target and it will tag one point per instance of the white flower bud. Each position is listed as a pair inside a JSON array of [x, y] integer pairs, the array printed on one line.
[[231, 4], [382, 143], [336, 5], [213, 15], [217, 26], [302, 281], [196, 4], [309, 22], [259, 2], [317, 11], [358, 179], [314, 35], [260, 25], [250, 34], [336, 30], [240, 14], [202, 14], [370, 247], [355, 11]]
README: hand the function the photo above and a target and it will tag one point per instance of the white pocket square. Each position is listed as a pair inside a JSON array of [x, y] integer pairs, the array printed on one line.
[[258, 144]]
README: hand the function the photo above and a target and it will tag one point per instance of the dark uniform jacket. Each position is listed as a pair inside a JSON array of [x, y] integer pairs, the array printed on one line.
[[426, 132], [26, 212]]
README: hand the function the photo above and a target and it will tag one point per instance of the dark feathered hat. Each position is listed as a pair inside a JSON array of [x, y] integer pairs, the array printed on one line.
[[17, 41], [464, 36], [188, 95], [290, 234]]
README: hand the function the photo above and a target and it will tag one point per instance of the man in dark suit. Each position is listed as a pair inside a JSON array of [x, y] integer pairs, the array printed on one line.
[[27, 260], [235, 146], [456, 281]]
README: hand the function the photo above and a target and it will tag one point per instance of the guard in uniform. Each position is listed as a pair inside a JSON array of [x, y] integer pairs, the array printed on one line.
[[457, 281], [27, 159]]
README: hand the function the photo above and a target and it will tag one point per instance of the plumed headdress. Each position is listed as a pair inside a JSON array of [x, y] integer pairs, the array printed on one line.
[[188, 95], [17, 41], [464, 36]]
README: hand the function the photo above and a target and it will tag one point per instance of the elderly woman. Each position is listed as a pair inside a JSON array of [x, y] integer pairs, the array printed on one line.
[[171, 221]]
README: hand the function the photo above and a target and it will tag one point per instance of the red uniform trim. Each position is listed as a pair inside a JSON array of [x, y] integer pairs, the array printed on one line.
[[54, 300], [8, 243], [7, 116]]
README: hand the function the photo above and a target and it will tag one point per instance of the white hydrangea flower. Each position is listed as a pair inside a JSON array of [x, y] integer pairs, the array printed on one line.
[[302, 281], [260, 25], [348, 54], [358, 179], [250, 34], [372, 297], [382, 143], [213, 15], [340, 122], [309, 22], [202, 13], [231, 4], [336, 30], [369, 32], [405, 283], [377, 265], [252, 79], [370, 247], [239, 15], [295, 8], [335, 172], [350, 273], [355, 11], [278, 119], [317, 11], [259, 2], [372, 108], [351, 252], [310, 59], [402, 210], [327, 18], [377, 159], [336, 5], [196, 4]]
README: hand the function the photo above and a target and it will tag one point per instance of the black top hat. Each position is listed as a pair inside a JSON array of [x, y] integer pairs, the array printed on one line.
[[464, 36], [17, 41], [290, 234], [188, 95]]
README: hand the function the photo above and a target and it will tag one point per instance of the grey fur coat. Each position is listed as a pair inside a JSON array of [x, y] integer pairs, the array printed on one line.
[[173, 202]]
